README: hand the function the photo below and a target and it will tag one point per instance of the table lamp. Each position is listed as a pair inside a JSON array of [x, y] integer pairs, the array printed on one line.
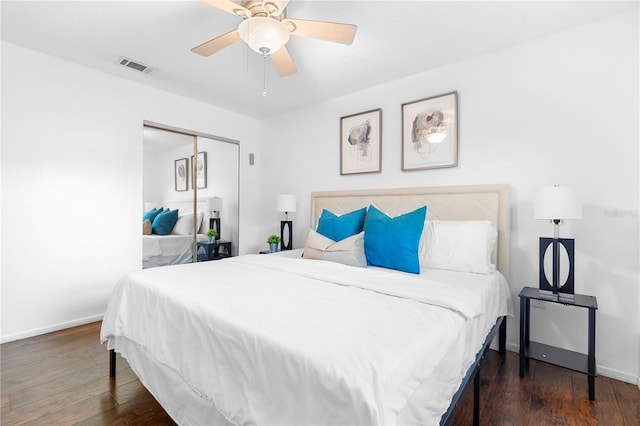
[[214, 206], [286, 203], [556, 204]]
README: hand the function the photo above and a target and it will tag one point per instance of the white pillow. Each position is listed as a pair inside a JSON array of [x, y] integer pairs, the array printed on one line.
[[201, 226], [184, 225], [349, 251], [464, 245]]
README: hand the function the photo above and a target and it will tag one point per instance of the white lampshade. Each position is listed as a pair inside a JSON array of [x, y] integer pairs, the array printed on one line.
[[260, 33], [286, 203], [214, 204], [557, 202]]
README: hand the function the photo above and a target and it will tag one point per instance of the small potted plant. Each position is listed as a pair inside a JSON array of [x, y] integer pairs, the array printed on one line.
[[273, 241], [212, 234]]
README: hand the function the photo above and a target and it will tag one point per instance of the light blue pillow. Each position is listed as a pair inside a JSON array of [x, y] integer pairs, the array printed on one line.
[[337, 227], [393, 242], [151, 214], [164, 222]]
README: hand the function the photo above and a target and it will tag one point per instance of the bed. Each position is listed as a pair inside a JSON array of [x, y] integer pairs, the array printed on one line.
[[281, 339], [164, 250], [177, 247]]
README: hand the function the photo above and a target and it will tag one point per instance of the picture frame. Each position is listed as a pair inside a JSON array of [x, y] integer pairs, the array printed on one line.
[[200, 170], [361, 142], [181, 174], [430, 132]]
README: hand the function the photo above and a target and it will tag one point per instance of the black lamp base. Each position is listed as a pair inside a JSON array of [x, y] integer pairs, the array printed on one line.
[[214, 223], [288, 243], [565, 289]]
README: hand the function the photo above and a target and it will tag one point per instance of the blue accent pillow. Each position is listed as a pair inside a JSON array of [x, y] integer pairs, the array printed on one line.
[[337, 227], [393, 242], [164, 222], [151, 214]]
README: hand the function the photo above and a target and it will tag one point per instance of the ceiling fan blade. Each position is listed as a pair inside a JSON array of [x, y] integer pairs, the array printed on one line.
[[283, 62], [229, 6], [329, 31], [210, 47]]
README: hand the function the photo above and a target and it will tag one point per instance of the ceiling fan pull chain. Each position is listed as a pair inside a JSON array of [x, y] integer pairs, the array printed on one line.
[[247, 45], [264, 71]]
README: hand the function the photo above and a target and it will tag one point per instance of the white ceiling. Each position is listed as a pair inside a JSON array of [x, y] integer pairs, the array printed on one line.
[[394, 39]]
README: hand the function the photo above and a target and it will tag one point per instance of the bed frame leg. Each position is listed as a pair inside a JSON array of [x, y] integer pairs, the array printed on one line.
[[502, 337], [112, 363], [476, 398]]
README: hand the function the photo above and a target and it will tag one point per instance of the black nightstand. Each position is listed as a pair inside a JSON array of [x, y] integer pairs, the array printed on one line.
[[213, 251], [583, 363]]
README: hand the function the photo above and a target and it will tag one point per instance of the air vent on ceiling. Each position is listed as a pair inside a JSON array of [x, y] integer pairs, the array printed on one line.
[[130, 63]]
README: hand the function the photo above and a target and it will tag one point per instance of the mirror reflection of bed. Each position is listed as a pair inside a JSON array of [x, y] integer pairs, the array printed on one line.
[[167, 155]]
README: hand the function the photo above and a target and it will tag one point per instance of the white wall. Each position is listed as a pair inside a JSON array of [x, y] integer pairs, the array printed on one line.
[[153, 174], [72, 184], [160, 186], [560, 110]]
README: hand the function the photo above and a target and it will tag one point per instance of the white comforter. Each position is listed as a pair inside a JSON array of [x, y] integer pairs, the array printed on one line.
[[271, 340]]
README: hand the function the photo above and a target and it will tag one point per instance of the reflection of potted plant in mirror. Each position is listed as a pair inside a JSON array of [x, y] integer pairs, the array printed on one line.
[[212, 234], [273, 241]]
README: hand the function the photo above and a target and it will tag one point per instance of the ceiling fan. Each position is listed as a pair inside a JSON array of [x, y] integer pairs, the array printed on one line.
[[266, 29]]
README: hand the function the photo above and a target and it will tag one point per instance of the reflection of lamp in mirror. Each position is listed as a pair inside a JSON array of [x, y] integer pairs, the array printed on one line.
[[286, 203], [557, 204], [214, 206]]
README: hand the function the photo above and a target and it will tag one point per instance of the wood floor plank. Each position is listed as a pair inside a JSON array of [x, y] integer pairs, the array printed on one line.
[[603, 408], [62, 378], [552, 398], [628, 403], [74, 413], [6, 404], [92, 388], [20, 354], [141, 412], [56, 381], [508, 392]]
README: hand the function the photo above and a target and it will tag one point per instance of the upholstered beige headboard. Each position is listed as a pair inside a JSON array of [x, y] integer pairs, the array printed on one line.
[[465, 202]]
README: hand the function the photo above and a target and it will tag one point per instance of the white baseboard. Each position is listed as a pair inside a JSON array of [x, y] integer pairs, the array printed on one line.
[[51, 328], [616, 374]]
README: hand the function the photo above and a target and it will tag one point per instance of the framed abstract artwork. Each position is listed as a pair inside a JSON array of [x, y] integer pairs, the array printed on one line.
[[430, 132], [200, 170], [361, 142], [181, 173]]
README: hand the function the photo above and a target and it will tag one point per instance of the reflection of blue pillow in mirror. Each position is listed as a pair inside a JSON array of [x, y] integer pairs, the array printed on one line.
[[164, 222], [393, 242], [151, 214], [340, 227]]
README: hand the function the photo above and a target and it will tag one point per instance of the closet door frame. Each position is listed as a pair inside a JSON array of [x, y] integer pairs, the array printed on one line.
[[195, 135]]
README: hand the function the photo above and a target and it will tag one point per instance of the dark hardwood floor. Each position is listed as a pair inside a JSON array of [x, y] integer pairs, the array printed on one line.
[[62, 378]]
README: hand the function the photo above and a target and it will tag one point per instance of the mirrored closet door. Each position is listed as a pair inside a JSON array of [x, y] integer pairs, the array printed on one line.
[[190, 185]]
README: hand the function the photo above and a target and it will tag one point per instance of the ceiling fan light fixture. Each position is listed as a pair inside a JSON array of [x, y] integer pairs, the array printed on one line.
[[263, 35]]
